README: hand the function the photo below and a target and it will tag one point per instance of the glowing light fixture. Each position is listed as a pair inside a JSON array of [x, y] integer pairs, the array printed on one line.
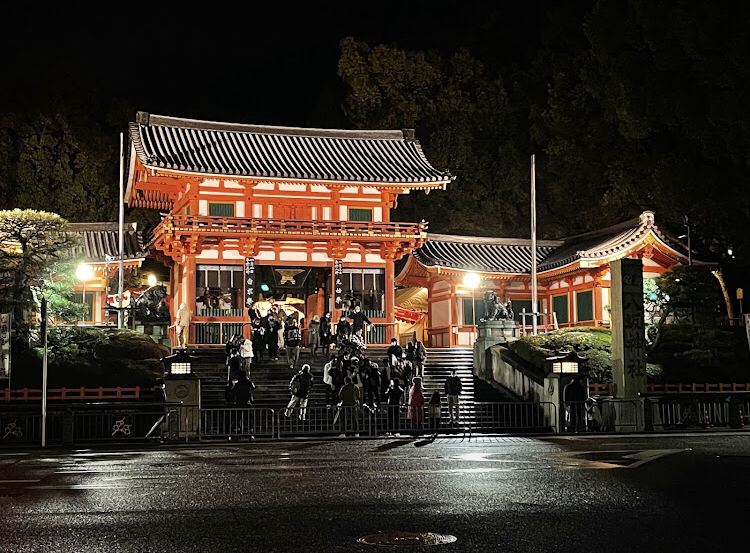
[[471, 280], [84, 272], [151, 279]]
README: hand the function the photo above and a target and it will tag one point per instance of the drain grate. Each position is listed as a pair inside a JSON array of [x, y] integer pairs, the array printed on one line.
[[407, 539]]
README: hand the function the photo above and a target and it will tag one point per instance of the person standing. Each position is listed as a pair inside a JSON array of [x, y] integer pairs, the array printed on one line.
[[420, 357], [394, 393], [395, 351], [325, 332], [343, 329], [259, 342], [272, 338], [415, 413], [350, 398], [313, 335], [243, 399], [453, 388], [433, 411], [300, 386], [359, 319], [291, 342], [246, 353], [182, 325]]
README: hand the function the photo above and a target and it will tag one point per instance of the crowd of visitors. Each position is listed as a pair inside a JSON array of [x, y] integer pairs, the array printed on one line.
[[352, 381]]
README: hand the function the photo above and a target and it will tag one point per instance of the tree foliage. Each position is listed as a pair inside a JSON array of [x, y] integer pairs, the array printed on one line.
[[632, 105], [31, 242]]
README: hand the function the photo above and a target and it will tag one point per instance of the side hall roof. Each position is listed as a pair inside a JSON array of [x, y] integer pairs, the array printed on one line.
[[99, 240], [212, 148], [513, 256]]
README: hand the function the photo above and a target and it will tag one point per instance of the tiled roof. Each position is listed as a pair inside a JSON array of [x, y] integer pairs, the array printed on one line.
[[501, 255], [281, 152], [101, 239], [488, 255]]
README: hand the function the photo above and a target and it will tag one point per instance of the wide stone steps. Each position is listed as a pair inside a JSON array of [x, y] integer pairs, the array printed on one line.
[[272, 379]]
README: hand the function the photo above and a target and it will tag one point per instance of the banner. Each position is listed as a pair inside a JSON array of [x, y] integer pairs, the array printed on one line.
[[5, 321], [338, 275], [249, 282]]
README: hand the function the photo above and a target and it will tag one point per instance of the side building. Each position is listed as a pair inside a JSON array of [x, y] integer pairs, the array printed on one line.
[[259, 215], [573, 275]]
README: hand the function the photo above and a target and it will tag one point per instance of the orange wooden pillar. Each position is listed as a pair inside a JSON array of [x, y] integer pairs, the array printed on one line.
[[390, 302]]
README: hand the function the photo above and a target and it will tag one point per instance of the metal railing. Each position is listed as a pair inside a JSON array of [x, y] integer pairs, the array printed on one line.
[[237, 422], [82, 423], [604, 415]]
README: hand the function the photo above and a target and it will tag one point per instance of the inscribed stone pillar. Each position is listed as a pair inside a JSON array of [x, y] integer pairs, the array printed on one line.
[[628, 328]]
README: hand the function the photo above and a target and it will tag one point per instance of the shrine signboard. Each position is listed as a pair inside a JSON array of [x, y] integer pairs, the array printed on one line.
[[338, 277], [249, 281]]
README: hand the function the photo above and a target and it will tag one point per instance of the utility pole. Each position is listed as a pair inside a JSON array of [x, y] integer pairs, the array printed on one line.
[[120, 318], [534, 291]]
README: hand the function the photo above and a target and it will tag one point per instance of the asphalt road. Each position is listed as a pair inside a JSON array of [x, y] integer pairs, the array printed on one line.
[[609, 494]]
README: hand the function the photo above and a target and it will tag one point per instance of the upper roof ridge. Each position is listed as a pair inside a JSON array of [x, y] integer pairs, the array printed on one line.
[[146, 119]]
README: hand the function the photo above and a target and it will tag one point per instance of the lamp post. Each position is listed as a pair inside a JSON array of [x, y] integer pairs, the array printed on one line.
[[471, 280], [84, 272]]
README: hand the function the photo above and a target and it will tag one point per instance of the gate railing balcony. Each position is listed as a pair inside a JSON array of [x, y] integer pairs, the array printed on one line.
[[204, 225]]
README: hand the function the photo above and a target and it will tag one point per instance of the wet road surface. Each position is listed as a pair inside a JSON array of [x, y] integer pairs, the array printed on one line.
[[609, 494]]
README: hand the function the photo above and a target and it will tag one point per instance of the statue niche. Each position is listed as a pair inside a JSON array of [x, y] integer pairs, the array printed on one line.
[[495, 309]]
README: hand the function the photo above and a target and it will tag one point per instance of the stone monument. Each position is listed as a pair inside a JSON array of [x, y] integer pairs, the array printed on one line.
[[628, 340]]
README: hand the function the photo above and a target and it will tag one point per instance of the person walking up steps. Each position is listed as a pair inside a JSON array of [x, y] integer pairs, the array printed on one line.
[[300, 386], [291, 342]]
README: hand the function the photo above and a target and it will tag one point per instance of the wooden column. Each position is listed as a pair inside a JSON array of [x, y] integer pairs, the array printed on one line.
[[188, 294], [390, 301]]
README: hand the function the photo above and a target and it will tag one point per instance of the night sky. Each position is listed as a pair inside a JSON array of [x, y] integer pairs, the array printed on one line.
[[256, 65]]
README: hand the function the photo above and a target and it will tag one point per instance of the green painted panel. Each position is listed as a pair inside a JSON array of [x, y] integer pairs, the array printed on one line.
[[356, 214], [585, 306], [560, 306], [221, 210]]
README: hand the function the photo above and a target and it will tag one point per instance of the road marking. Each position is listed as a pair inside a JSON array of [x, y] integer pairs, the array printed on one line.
[[615, 459]]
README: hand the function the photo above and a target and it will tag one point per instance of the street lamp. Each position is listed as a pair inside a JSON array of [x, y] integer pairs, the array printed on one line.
[[471, 280], [84, 272]]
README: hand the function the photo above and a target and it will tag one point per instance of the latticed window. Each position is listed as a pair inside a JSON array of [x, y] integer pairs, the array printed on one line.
[[357, 214], [221, 210]]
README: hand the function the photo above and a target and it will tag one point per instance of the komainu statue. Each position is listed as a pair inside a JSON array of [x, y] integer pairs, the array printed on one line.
[[495, 309]]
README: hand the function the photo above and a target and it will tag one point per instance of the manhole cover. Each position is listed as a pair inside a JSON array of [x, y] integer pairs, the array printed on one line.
[[407, 539]]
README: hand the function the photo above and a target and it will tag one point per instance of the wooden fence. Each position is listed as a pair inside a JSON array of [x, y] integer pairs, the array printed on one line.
[[70, 394]]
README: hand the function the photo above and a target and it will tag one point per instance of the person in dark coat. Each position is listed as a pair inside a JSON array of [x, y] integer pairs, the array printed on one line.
[[433, 411], [359, 319], [395, 352], [325, 332], [259, 342], [272, 338], [243, 391], [343, 330], [300, 386], [292, 339], [453, 389], [393, 395]]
